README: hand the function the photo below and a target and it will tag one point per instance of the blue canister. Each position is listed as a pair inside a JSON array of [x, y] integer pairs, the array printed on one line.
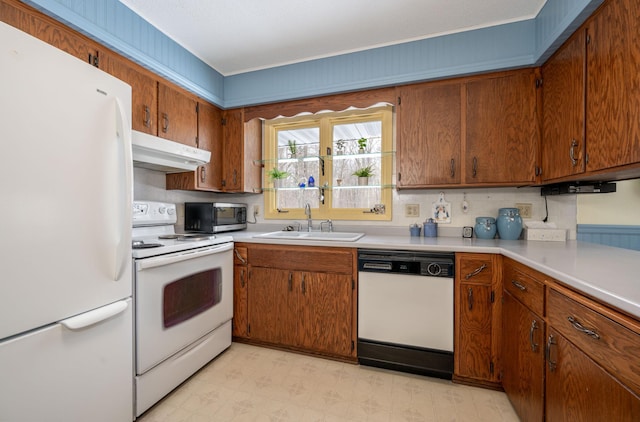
[[509, 223], [485, 227], [430, 228], [414, 230]]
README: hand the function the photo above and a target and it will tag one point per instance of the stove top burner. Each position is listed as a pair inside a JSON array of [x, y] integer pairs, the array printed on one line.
[[140, 244]]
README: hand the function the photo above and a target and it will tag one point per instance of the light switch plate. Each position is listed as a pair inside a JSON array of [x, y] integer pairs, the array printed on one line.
[[412, 210]]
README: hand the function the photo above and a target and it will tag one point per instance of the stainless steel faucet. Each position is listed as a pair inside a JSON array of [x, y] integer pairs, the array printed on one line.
[[307, 212]]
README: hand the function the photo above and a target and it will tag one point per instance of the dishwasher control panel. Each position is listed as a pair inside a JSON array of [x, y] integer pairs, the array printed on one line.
[[431, 264]]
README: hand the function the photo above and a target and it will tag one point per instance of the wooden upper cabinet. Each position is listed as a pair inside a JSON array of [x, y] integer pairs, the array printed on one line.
[[242, 149], [613, 86], [502, 129], [144, 91], [563, 117], [177, 115], [48, 30], [209, 176], [429, 130]]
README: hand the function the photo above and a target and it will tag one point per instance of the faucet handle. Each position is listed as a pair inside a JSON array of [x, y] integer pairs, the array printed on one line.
[[329, 224]]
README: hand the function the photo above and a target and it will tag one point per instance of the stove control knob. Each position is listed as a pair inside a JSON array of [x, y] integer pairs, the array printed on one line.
[[171, 211], [162, 210]]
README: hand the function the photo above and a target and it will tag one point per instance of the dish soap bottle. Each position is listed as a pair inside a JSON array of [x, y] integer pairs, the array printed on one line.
[[312, 182]]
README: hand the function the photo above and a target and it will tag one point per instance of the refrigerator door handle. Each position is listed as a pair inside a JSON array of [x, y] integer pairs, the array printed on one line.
[[123, 252], [86, 319]]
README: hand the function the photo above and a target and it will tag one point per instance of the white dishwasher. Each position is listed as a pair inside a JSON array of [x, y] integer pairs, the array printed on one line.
[[405, 311]]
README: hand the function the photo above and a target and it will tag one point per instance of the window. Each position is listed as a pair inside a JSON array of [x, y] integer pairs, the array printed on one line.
[[314, 159]]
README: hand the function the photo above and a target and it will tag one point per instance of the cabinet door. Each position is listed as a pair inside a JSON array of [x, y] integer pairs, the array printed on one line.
[[577, 389], [523, 358], [272, 306], [177, 115], [240, 316], [326, 311], [613, 86], [46, 29], [474, 351], [429, 125], [209, 176], [502, 129], [563, 105], [144, 92], [233, 135]]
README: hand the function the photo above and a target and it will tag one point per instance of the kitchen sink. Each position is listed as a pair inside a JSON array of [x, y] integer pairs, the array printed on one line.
[[334, 236]]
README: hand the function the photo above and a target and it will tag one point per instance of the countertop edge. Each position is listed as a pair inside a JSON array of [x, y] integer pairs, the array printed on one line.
[[602, 272]]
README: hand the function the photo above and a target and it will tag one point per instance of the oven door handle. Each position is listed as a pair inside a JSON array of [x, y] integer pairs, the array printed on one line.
[[160, 261]]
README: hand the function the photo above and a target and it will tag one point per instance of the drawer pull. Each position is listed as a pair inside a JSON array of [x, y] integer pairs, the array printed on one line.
[[244, 261], [475, 272], [519, 285], [550, 342], [591, 333], [534, 326]]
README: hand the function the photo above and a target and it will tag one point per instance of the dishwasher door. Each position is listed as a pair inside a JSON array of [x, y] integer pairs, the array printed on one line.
[[406, 309]]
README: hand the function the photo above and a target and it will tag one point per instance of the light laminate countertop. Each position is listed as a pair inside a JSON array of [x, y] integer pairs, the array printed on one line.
[[609, 274]]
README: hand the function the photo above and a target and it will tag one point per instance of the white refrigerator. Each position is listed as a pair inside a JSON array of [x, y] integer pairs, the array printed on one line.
[[66, 329]]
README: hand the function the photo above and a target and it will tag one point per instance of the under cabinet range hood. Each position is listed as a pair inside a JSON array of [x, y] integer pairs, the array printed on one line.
[[163, 155]]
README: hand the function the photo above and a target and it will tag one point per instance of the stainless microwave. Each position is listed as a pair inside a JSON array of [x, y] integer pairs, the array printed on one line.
[[214, 217]]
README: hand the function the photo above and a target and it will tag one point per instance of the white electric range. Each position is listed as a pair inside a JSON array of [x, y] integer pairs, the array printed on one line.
[[183, 295]]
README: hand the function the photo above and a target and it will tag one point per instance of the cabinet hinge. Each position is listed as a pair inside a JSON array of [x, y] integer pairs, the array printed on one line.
[[538, 83], [399, 177], [588, 40], [94, 60], [586, 158], [493, 296], [399, 100], [197, 142], [223, 121], [491, 367]]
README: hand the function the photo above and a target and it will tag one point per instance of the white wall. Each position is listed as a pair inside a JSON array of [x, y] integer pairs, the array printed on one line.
[[619, 208], [150, 185]]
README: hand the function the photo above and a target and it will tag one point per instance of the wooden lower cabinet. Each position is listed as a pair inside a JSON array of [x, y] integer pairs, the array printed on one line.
[[477, 319], [523, 358], [578, 389], [240, 292], [310, 309]]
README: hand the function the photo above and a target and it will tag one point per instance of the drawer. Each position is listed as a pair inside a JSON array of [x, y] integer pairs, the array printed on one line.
[[475, 268], [303, 258], [610, 344], [524, 287]]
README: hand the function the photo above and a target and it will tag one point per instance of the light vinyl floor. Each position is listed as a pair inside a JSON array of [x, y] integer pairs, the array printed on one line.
[[249, 383]]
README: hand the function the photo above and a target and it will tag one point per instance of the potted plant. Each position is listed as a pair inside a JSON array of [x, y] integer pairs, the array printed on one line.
[[277, 176], [293, 148], [362, 144], [363, 175]]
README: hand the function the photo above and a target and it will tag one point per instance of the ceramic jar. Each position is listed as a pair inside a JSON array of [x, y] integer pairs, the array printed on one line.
[[430, 228], [509, 223], [485, 227]]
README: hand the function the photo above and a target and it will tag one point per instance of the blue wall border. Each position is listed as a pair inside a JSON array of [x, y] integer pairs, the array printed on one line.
[[627, 237], [518, 44]]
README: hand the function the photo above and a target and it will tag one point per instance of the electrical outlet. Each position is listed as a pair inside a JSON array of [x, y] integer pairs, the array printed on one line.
[[256, 210], [412, 210], [525, 210]]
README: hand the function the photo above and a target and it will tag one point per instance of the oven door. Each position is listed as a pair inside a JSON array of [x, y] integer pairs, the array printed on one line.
[[179, 298]]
